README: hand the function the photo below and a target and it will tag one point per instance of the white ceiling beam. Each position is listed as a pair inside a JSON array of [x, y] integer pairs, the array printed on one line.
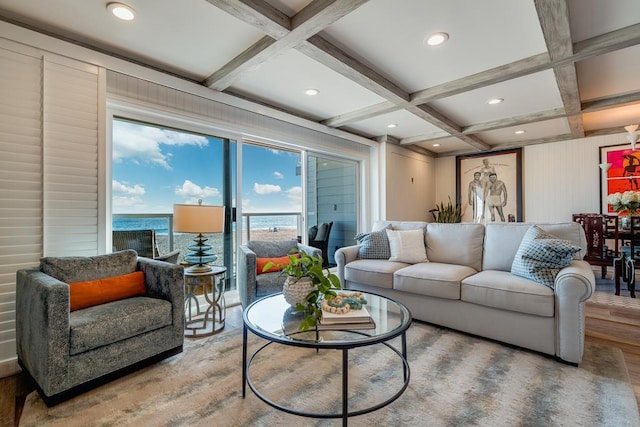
[[315, 17], [554, 21]]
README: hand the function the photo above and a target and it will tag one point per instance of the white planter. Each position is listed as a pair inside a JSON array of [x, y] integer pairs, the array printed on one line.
[[296, 291]]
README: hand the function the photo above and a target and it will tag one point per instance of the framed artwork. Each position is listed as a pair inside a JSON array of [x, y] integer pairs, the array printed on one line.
[[622, 175], [489, 186]]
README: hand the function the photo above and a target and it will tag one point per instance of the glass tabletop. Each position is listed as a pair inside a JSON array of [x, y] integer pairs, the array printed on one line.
[[274, 319]]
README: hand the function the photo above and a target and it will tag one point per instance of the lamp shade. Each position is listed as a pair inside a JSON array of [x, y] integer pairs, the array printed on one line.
[[198, 219]]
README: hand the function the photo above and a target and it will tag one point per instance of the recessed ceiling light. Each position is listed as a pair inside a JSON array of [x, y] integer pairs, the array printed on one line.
[[392, 125], [520, 132], [121, 11], [436, 145], [494, 101], [311, 92], [436, 39]]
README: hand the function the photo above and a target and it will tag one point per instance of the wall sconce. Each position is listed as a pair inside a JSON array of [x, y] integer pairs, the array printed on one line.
[[605, 167], [633, 135]]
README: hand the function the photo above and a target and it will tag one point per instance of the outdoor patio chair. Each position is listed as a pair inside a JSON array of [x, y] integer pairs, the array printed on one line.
[[144, 243]]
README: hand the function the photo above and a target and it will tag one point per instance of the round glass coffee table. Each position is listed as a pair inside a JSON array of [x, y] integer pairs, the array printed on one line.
[[272, 319]]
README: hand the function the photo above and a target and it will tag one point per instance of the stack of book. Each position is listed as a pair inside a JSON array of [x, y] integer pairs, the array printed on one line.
[[353, 319]]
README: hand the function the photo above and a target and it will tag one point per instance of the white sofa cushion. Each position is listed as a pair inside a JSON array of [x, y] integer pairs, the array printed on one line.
[[407, 246], [373, 272], [432, 279], [501, 289], [459, 244]]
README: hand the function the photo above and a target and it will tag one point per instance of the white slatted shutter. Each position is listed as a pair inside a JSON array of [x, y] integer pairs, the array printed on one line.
[[20, 185], [70, 132]]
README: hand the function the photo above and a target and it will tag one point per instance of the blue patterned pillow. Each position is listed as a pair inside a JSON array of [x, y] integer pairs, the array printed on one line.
[[541, 256], [374, 245]]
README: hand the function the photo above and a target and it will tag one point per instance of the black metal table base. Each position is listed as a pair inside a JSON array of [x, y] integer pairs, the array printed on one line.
[[345, 414]]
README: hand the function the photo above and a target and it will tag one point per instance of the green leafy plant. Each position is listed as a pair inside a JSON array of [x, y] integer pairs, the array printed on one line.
[[447, 213], [324, 284]]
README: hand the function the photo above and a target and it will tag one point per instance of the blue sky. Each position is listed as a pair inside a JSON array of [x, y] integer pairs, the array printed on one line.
[[153, 168]]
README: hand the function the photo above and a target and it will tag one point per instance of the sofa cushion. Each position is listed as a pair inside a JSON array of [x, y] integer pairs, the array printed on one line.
[[264, 249], [371, 272], [407, 246], [459, 244], [100, 291], [503, 290], [432, 279], [541, 256], [269, 283], [105, 324], [502, 241], [398, 225], [374, 245], [81, 269]]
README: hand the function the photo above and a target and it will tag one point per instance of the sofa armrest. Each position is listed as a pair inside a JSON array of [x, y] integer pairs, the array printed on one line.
[[165, 281], [246, 275], [344, 256], [573, 286], [42, 328], [310, 250]]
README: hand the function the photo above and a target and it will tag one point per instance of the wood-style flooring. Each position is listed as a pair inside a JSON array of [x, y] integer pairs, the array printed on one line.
[[610, 320]]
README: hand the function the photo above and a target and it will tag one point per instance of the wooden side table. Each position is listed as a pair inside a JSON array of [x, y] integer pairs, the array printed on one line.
[[211, 285]]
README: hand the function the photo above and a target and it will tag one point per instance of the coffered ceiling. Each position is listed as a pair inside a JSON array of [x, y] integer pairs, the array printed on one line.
[[564, 68]]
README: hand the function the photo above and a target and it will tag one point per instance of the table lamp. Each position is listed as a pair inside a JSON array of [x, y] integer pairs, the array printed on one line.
[[199, 219]]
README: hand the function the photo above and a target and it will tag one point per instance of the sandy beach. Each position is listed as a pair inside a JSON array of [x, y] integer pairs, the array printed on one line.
[[182, 241]]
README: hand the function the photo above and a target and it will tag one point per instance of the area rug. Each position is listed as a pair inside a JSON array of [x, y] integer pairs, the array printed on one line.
[[456, 380]]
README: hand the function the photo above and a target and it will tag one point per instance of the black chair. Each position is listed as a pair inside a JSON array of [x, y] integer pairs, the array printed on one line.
[[630, 256], [320, 240], [144, 243]]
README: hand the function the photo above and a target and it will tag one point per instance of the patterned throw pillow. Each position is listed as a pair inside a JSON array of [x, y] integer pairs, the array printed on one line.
[[541, 256], [374, 245]]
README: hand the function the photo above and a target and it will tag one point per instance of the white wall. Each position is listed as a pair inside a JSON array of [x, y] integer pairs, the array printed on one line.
[[410, 179], [558, 179]]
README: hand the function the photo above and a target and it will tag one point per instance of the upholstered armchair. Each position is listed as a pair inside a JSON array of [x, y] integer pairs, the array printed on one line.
[[144, 243], [253, 284], [66, 352]]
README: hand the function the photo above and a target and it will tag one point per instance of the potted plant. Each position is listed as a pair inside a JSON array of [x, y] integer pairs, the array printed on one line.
[[447, 213], [306, 285]]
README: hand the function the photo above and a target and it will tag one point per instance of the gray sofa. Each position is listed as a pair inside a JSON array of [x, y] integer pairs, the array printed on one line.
[[467, 285], [66, 352]]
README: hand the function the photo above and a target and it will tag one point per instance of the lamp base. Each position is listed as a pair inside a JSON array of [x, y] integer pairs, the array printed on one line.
[[199, 268]]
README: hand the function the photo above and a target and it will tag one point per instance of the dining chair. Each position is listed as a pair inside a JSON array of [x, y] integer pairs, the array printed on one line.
[[602, 236], [630, 256]]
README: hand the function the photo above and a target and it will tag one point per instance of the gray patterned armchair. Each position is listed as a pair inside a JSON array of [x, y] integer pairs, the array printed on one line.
[[67, 352], [251, 285]]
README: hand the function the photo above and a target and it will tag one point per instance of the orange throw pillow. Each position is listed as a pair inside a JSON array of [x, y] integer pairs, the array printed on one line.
[[279, 262], [96, 292]]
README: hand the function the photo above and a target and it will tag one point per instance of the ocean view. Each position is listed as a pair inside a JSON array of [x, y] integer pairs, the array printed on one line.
[[161, 225]]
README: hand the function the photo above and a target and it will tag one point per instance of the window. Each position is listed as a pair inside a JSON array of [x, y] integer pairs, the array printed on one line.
[[155, 167]]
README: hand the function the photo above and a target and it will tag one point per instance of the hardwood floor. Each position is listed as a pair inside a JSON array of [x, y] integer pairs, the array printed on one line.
[[607, 322]]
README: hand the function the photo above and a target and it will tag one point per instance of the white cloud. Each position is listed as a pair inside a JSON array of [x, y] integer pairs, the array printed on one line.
[[126, 202], [119, 187], [295, 196], [192, 192], [143, 143], [278, 175], [266, 188]]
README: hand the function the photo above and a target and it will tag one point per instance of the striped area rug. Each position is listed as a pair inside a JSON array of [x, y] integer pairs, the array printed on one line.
[[456, 380]]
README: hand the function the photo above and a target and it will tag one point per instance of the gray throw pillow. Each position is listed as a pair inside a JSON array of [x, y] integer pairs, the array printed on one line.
[[541, 256], [374, 245]]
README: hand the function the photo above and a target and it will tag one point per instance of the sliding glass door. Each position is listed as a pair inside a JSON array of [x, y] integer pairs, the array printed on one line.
[[332, 197], [155, 167]]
